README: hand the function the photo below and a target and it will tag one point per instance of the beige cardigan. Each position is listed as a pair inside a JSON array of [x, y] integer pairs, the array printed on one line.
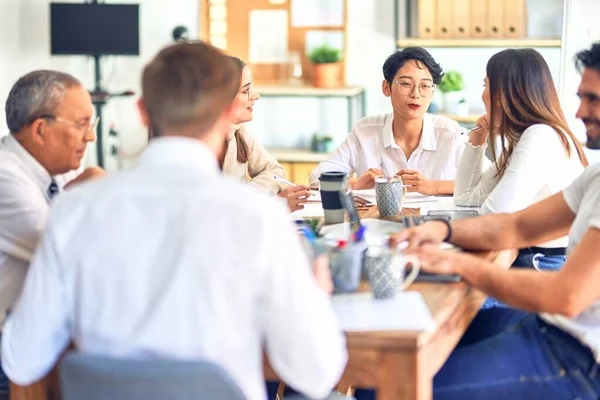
[[261, 166]]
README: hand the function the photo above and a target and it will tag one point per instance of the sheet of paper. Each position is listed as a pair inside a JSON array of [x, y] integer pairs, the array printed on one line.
[[310, 210], [411, 198], [358, 312], [315, 196], [268, 37], [318, 13]]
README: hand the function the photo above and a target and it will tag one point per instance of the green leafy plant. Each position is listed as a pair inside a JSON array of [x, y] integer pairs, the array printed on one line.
[[452, 82], [325, 54], [320, 143]]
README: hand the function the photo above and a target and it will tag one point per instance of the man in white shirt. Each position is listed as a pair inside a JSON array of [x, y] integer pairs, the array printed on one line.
[[49, 116], [554, 353], [423, 149], [171, 259]]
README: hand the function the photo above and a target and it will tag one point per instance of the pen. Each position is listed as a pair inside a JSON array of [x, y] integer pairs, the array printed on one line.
[[475, 128], [359, 234], [280, 179]]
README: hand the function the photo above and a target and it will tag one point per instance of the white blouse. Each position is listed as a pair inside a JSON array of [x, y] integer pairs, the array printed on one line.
[[538, 168], [371, 144]]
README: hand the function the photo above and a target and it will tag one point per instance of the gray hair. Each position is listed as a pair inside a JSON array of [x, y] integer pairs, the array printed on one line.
[[34, 95]]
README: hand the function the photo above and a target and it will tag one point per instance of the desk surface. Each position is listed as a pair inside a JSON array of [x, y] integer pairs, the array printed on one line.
[[402, 364]]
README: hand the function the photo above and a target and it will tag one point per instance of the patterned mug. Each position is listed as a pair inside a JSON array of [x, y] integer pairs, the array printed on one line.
[[385, 270], [389, 194]]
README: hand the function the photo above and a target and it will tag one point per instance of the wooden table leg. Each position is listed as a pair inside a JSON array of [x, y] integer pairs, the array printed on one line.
[[403, 376]]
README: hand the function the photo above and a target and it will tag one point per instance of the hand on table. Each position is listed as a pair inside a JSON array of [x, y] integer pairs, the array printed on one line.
[[415, 182], [438, 261], [367, 180], [433, 232]]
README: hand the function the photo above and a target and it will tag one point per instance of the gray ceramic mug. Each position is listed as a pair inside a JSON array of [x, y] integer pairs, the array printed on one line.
[[385, 269], [389, 196], [332, 185]]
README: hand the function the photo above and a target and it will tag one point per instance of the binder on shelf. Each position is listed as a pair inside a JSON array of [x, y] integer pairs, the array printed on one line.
[[496, 16], [426, 19], [461, 21], [444, 18], [515, 18], [479, 18]]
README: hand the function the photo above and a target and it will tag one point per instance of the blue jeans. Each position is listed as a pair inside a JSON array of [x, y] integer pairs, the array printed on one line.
[[532, 360], [4, 383], [494, 316]]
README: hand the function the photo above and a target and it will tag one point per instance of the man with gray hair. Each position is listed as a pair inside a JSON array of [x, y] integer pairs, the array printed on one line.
[[49, 115]]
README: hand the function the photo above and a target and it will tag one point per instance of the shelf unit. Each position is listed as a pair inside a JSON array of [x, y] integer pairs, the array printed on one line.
[[479, 42], [355, 96]]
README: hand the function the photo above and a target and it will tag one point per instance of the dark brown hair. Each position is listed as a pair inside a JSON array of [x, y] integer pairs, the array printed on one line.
[[520, 81], [188, 84], [243, 151]]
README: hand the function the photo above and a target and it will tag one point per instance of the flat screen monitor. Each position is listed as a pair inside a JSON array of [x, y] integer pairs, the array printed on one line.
[[90, 28]]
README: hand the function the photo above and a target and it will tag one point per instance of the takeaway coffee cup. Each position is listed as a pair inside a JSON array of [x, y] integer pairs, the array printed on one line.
[[332, 186]]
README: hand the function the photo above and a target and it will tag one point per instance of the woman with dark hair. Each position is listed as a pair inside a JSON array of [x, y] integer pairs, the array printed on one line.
[[421, 148], [538, 157], [245, 158]]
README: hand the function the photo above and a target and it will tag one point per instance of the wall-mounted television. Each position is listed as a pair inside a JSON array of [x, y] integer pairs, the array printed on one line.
[[92, 28]]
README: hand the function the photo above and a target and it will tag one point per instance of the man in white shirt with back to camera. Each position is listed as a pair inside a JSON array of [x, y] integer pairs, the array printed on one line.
[[49, 115], [421, 148], [171, 259]]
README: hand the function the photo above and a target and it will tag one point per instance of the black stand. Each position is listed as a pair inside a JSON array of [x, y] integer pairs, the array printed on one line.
[[99, 98]]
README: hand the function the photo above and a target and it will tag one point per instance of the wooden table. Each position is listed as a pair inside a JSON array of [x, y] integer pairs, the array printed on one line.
[[400, 365]]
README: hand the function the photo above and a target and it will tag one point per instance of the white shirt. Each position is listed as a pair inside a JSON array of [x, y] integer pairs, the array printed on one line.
[[24, 206], [371, 144], [583, 198], [538, 168], [171, 259]]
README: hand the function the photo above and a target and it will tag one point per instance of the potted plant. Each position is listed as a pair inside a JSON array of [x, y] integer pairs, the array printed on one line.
[[452, 86], [327, 68], [321, 143]]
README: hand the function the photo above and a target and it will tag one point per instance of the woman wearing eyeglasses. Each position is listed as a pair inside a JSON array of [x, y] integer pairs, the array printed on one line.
[[244, 157], [421, 148]]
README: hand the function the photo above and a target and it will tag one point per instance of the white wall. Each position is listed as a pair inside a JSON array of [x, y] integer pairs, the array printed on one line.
[[370, 41], [25, 46]]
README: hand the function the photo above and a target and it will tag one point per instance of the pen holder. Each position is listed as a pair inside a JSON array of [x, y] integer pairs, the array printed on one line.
[[346, 266]]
